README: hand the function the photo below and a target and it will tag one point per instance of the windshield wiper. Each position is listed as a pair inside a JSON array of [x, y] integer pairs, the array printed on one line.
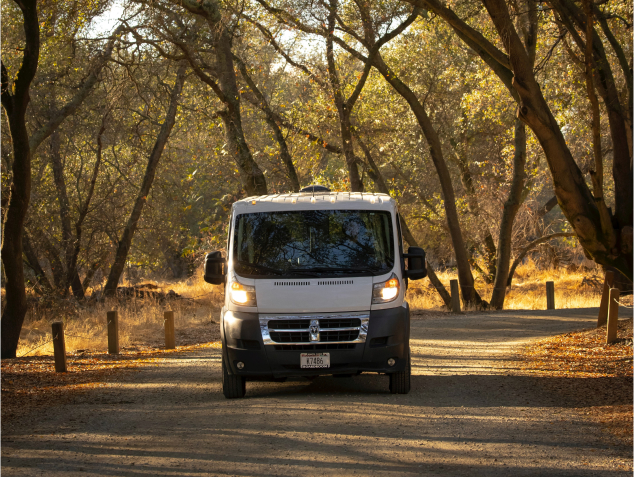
[[310, 272], [348, 269], [260, 267]]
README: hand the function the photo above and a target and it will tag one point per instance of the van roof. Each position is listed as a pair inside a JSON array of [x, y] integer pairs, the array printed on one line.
[[316, 200]]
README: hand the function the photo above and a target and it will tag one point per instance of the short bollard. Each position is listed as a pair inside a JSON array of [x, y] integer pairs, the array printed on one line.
[[613, 316], [113, 332], [59, 347], [550, 295], [170, 338], [455, 296], [605, 299]]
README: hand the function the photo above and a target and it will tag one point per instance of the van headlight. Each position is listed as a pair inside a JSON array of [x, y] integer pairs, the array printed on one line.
[[243, 295], [386, 291]]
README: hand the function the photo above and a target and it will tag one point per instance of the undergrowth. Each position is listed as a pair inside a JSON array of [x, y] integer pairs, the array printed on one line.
[[141, 319], [580, 288]]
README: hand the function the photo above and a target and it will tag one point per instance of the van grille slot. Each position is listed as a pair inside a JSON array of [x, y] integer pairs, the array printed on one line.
[[291, 284], [339, 323], [344, 335], [335, 282], [290, 337], [288, 324], [308, 347]]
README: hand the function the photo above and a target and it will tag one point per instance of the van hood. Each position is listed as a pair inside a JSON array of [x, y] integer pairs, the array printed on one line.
[[314, 295]]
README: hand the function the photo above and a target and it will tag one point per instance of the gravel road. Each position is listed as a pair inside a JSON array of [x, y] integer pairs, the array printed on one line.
[[470, 412]]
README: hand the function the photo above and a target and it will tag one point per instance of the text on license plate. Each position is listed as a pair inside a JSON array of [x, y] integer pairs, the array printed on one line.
[[315, 360]]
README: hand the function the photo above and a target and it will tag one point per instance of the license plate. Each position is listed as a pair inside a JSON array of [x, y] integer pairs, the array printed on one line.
[[314, 360]]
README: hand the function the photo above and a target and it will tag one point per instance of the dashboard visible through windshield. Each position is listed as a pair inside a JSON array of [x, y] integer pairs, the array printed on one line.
[[313, 243]]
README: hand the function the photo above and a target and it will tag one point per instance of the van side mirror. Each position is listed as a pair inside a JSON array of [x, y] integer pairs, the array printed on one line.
[[416, 267], [215, 268]]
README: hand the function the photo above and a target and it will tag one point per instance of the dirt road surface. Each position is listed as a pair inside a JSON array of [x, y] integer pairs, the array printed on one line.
[[471, 411]]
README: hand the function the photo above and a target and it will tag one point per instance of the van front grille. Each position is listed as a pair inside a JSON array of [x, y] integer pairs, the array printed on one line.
[[301, 330]]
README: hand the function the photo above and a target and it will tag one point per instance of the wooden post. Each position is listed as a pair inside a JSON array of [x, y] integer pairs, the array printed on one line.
[[613, 315], [113, 332], [550, 295], [170, 338], [455, 296], [59, 347], [605, 299]]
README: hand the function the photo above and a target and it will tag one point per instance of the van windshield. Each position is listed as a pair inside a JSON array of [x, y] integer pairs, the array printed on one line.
[[313, 242]]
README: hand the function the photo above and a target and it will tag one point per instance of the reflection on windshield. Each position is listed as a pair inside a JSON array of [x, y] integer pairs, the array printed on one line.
[[326, 242]]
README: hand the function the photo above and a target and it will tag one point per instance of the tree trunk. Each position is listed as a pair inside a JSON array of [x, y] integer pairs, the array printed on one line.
[[547, 207], [377, 177], [431, 274], [606, 247], [529, 24], [126, 240], [84, 90], [487, 244], [15, 103], [34, 264], [574, 196], [260, 101], [449, 198], [511, 207], [252, 177], [343, 106], [530, 247], [572, 16], [68, 242]]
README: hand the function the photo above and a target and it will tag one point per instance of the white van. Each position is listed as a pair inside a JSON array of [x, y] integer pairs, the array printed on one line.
[[314, 284]]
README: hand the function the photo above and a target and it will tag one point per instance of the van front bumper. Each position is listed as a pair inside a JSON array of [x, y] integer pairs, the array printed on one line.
[[387, 337]]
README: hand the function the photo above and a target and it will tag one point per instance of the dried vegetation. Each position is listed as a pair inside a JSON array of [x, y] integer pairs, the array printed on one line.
[[574, 288], [590, 375]]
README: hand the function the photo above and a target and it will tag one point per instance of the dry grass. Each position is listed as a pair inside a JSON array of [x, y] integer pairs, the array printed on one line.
[[573, 289], [140, 320]]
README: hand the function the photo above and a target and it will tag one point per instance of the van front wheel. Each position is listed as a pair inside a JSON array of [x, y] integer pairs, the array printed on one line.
[[400, 382], [233, 386]]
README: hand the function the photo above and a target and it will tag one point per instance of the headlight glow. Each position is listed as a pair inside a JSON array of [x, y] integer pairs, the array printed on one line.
[[385, 292], [242, 294]]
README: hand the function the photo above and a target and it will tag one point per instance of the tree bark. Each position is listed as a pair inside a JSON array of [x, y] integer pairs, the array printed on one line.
[[64, 210], [487, 243], [547, 207], [528, 23], [572, 16], [575, 199], [431, 274], [574, 196], [226, 89], [261, 102], [449, 198], [126, 240], [15, 104], [511, 207], [377, 178], [344, 107], [34, 263]]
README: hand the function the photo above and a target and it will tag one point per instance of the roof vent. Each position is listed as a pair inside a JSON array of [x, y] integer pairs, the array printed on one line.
[[315, 188]]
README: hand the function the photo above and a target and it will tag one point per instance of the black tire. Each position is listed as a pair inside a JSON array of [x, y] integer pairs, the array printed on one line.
[[400, 382], [232, 386]]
